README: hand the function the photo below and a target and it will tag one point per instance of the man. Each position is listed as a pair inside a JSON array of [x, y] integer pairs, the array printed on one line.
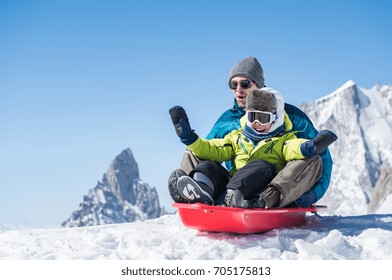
[[244, 77]]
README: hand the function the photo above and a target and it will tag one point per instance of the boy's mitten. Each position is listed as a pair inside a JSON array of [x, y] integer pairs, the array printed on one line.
[[316, 146], [181, 124]]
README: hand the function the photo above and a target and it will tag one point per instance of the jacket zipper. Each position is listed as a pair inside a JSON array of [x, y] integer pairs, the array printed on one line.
[[239, 141]]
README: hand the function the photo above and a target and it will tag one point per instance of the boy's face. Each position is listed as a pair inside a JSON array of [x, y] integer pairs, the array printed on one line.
[[261, 128], [240, 93], [260, 121]]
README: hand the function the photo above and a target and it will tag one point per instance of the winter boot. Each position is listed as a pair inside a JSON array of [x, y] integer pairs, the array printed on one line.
[[194, 191], [234, 198], [270, 197], [173, 178], [257, 203]]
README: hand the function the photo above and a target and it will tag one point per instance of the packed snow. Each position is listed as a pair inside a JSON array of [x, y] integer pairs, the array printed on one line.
[[365, 237]]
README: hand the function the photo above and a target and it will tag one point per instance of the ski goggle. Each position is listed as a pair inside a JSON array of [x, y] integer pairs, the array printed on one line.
[[261, 117], [244, 84]]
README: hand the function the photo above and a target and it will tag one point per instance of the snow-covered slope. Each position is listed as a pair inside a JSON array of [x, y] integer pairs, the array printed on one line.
[[362, 119], [121, 197], [165, 238]]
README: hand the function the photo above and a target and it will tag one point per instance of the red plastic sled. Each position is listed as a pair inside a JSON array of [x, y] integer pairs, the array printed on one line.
[[237, 220]]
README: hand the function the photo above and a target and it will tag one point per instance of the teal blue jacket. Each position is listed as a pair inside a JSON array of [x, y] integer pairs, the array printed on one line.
[[230, 120]]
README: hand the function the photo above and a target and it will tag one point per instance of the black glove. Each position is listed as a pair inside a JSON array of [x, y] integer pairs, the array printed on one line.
[[181, 124], [316, 146]]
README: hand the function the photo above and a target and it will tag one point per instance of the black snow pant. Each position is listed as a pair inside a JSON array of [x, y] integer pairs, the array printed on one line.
[[251, 179]]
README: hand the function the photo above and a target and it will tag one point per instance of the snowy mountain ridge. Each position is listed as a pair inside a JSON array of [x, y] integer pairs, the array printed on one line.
[[362, 119], [121, 197]]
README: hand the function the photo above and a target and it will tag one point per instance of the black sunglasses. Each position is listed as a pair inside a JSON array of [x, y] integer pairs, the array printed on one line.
[[244, 84]]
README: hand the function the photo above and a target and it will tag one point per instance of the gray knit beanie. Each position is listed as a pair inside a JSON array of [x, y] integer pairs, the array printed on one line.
[[250, 68], [262, 100]]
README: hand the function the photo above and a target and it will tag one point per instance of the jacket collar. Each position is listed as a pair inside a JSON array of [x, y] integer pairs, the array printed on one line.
[[237, 108]]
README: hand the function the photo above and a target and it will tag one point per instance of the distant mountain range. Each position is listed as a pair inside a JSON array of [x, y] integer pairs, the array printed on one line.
[[120, 197], [362, 119]]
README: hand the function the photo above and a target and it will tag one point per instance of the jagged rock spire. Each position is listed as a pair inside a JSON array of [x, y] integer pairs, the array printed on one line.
[[121, 197]]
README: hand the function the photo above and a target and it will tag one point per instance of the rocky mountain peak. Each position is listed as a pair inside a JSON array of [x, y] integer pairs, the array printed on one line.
[[120, 197], [121, 175], [362, 119]]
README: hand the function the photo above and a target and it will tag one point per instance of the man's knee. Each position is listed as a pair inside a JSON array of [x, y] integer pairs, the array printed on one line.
[[298, 170], [297, 177], [189, 161]]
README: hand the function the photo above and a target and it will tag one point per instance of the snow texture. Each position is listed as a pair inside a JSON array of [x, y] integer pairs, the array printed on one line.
[[320, 238]]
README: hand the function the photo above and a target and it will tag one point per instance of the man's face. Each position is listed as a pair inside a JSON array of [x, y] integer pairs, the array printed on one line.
[[241, 93]]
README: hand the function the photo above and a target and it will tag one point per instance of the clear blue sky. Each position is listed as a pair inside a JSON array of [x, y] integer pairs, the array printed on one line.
[[82, 80]]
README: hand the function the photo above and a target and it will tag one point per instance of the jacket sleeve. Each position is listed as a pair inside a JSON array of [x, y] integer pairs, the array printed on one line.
[[301, 122], [292, 149], [215, 149], [323, 183]]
